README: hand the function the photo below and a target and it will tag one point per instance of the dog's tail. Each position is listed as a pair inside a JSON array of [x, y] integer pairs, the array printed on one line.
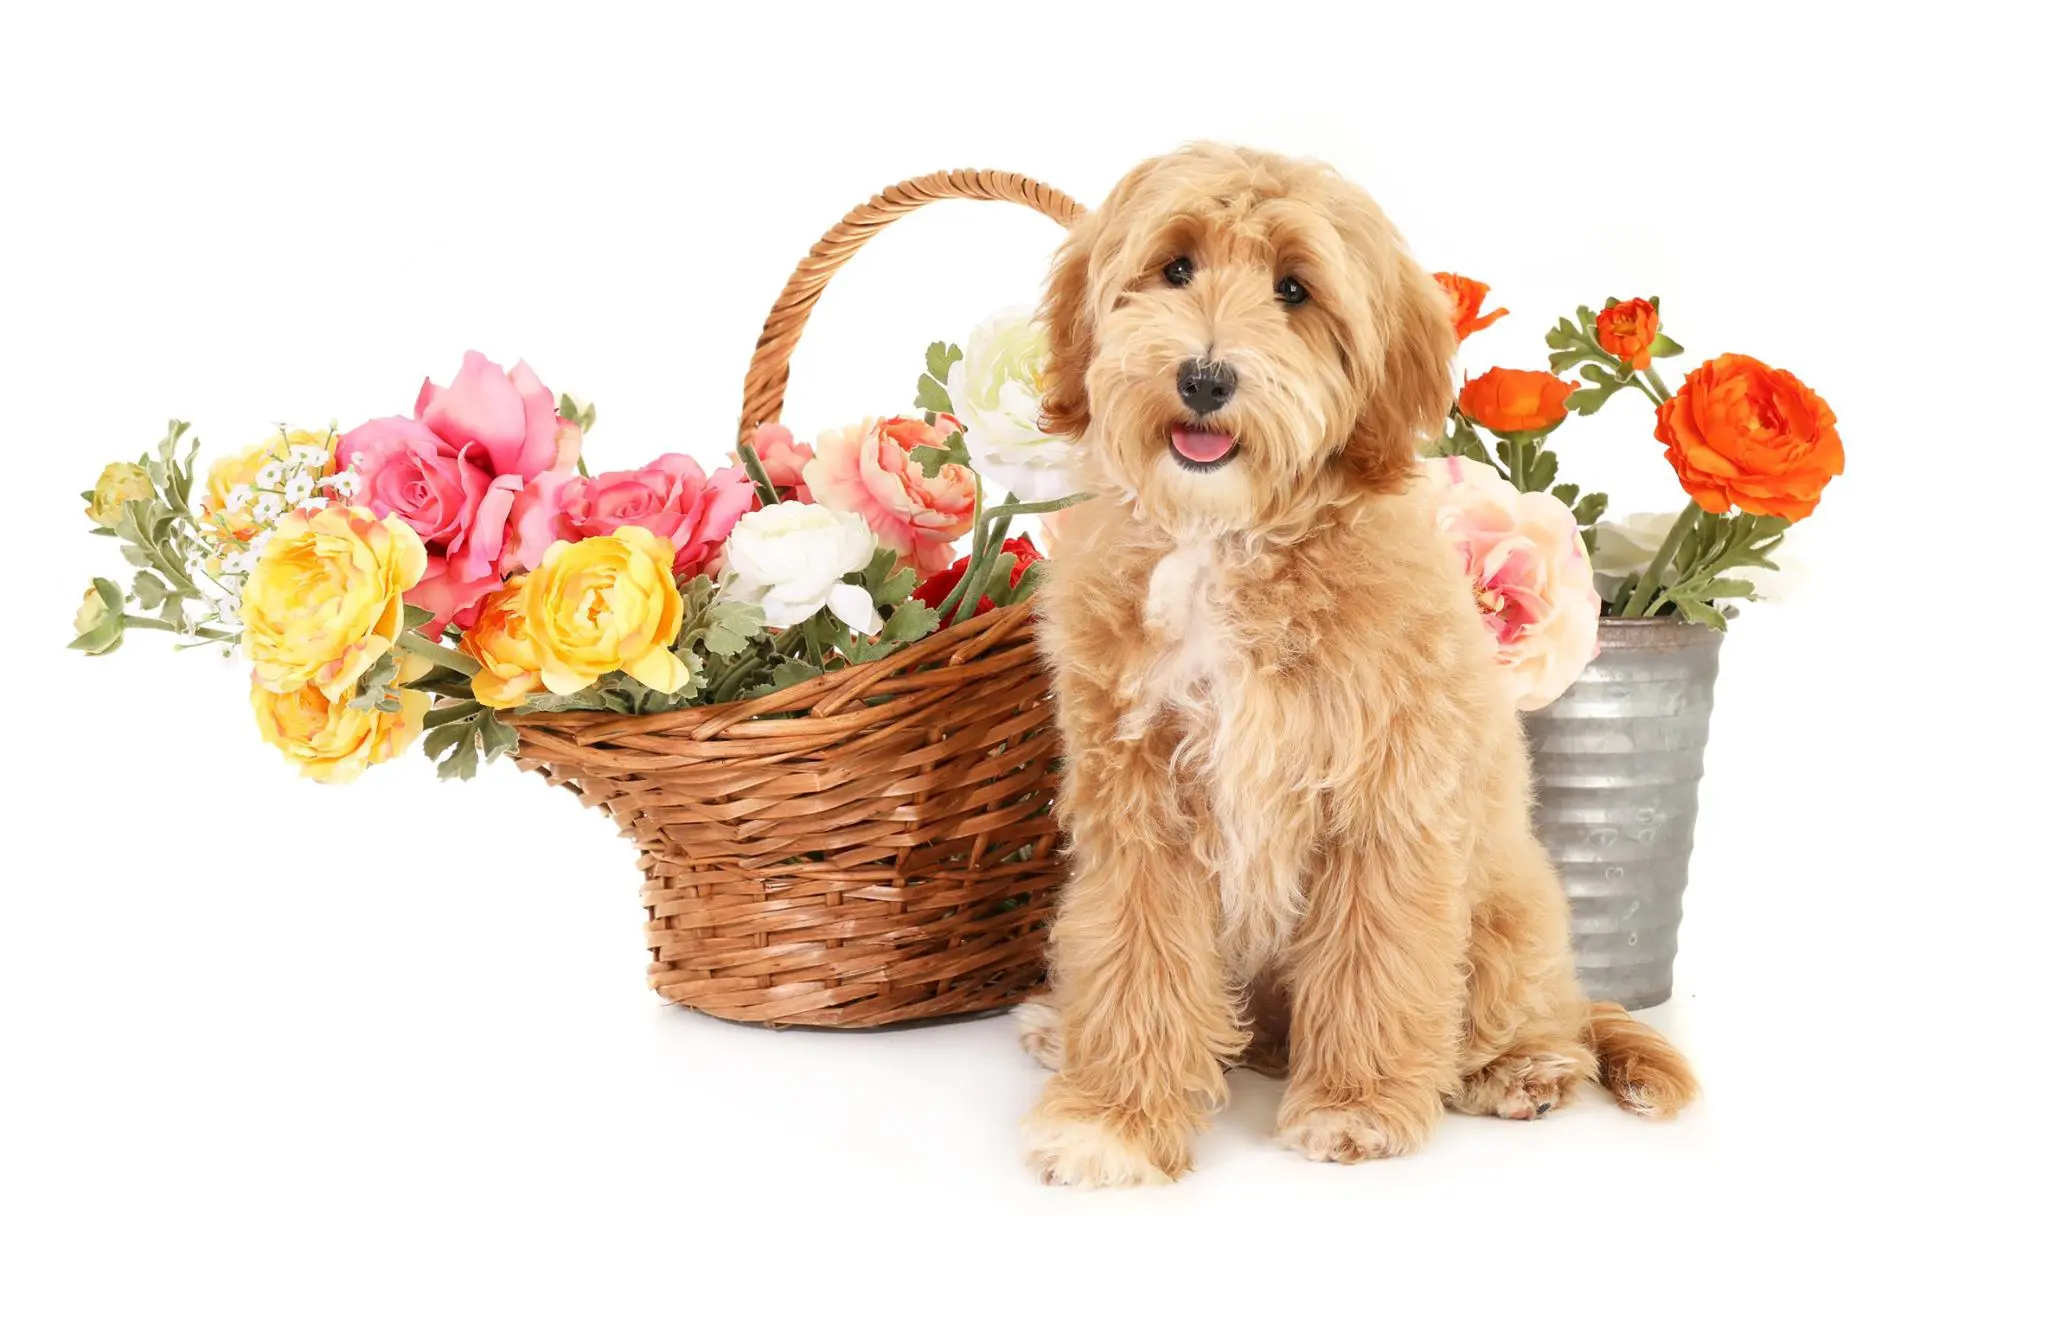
[[1646, 1075]]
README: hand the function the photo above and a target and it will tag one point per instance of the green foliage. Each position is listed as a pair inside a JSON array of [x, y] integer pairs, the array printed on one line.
[[933, 460], [583, 416], [939, 358], [1700, 562], [373, 689], [159, 539], [463, 735]]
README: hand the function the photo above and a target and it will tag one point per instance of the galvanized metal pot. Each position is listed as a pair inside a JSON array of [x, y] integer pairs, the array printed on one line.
[[1617, 762]]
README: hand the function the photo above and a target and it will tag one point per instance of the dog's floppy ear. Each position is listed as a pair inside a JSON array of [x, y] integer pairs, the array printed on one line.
[[1070, 326], [1413, 390]]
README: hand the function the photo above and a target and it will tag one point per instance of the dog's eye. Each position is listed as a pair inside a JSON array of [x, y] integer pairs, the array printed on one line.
[[1179, 272], [1292, 292]]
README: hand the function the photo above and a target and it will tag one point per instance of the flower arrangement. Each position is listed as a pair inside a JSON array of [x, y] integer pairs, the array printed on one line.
[[429, 577], [1752, 446]]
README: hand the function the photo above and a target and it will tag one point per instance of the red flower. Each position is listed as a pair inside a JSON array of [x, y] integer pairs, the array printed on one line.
[[940, 585]]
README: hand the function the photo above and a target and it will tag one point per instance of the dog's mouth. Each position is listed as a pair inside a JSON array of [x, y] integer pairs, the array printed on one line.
[[1198, 449]]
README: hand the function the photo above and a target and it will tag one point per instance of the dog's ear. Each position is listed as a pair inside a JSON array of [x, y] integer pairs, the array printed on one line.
[[1413, 390], [1070, 327]]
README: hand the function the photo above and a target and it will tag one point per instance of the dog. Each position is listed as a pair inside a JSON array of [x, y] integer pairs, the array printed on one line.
[[1296, 793]]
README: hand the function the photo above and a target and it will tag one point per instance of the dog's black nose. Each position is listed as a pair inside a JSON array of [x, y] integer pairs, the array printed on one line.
[[1206, 388]]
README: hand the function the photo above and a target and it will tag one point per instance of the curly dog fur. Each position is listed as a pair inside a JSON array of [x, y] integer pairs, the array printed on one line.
[[1296, 790]]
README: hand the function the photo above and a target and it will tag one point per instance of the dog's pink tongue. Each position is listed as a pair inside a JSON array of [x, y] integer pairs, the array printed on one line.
[[1201, 445]]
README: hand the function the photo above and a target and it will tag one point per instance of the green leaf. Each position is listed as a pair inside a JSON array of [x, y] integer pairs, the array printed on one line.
[[939, 358], [932, 459], [1566, 494], [1542, 471], [499, 737], [416, 616], [373, 687], [1700, 613], [1721, 589], [792, 672], [1589, 399], [1664, 347], [908, 623], [1588, 510], [931, 396], [150, 590]]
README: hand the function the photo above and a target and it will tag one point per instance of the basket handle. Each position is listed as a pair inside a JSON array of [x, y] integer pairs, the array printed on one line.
[[768, 374]]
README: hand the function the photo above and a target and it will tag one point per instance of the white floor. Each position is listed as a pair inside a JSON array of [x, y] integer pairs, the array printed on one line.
[[252, 1092]]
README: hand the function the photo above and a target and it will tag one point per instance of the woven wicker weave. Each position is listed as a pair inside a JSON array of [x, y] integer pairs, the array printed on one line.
[[869, 847]]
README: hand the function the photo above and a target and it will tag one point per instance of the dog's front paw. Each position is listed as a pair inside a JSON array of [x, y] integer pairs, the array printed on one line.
[[1347, 1134], [1085, 1152]]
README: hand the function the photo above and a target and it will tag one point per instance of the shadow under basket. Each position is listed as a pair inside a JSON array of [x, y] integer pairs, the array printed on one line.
[[870, 847]]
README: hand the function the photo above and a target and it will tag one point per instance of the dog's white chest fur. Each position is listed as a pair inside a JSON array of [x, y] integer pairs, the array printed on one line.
[[1195, 677]]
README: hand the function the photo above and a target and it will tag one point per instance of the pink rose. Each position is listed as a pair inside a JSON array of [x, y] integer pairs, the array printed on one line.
[[449, 597], [440, 492], [537, 522], [670, 496], [866, 469], [510, 418], [1531, 577], [784, 459]]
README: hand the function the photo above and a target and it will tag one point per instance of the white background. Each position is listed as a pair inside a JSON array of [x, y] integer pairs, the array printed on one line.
[[285, 1062]]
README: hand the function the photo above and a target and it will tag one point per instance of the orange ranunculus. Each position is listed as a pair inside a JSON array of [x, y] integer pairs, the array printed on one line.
[[1742, 434], [1466, 296], [1627, 330], [510, 666], [1516, 400]]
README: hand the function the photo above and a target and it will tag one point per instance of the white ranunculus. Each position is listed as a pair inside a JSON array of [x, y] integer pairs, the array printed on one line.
[[1628, 546], [791, 558], [995, 387]]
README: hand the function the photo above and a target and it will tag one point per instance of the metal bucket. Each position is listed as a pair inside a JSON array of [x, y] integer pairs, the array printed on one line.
[[1617, 761]]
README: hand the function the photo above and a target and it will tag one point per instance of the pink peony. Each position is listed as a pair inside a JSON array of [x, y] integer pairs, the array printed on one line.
[[784, 459], [510, 418], [1530, 574], [670, 497], [866, 469]]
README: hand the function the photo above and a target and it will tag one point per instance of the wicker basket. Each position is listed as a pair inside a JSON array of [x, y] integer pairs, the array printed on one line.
[[872, 846]]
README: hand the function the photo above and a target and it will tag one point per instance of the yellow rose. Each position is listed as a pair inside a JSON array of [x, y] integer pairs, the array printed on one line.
[[606, 603], [499, 641], [117, 485], [332, 742], [327, 598], [229, 473]]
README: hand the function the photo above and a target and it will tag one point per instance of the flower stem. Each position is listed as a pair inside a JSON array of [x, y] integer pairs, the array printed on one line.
[[440, 654], [151, 623], [750, 461], [985, 549], [1659, 393], [1650, 583]]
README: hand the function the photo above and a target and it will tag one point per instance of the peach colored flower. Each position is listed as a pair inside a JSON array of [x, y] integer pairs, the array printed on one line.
[[866, 470], [785, 459], [1531, 578], [1466, 298]]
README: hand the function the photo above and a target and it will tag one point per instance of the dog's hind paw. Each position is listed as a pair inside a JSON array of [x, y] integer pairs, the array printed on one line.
[[1038, 1030]]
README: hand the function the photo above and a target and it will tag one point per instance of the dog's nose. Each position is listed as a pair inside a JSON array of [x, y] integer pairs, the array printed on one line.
[[1206, 388]]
